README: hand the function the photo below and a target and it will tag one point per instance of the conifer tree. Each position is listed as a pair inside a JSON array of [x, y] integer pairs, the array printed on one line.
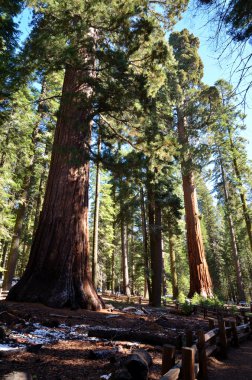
[[58, 271], [190, 72]]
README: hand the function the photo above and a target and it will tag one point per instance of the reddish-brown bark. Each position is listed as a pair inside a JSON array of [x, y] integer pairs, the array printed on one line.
[[200, 280], [58, 272]]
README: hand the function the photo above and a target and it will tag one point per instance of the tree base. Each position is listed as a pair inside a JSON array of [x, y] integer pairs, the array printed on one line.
[[84, 297]]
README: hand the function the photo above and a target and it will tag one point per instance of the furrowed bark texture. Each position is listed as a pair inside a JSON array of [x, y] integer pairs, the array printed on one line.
[[58, 272], [200, 280]]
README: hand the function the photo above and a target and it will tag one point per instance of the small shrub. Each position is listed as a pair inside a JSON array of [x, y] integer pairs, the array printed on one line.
[[181, 298], [187, 308]]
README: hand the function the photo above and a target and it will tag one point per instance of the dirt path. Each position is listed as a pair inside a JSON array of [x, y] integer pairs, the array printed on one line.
[[238, 365]]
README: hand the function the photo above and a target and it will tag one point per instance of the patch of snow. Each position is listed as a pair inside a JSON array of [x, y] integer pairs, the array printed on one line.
[[8, 347], [93, 339], [112, 316], [36, 325], [139, 312], [106, 377]]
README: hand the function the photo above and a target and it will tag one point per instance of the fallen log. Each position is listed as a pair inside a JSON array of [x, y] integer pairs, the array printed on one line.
[[134, 367], [138, 364], [136, 336]]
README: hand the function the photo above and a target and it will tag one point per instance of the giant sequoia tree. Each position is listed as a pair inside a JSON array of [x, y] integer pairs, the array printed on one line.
[[58, 273], [190, 72]]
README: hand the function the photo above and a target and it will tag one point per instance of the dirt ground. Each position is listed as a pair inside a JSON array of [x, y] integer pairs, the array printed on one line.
[[237, 366], [70, 353]]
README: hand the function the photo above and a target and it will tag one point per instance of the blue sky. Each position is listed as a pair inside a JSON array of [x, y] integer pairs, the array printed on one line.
[[214, 69]]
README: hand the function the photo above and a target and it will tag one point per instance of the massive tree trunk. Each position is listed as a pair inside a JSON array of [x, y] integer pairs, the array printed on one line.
[[235, 254], [96, 220], [57, 273], [200, 280]]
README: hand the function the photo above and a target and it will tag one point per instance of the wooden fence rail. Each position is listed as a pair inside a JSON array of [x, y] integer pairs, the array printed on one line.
[[191, 364]]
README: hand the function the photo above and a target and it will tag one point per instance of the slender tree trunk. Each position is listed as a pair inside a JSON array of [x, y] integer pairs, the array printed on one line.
[[200, 280], [58, 273], [16, 238], [145, 244], [5, 245], [174, 276], [28, 182], [125, 266], [40, 194], [5, 148], [241, 191], [113, 271], [96, 220], [132, 261], [164, 284], [38, 200], [154, 212], [236, 260]]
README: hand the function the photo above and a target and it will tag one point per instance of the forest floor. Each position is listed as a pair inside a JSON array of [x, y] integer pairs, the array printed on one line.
[[58, 344], [238, 365]]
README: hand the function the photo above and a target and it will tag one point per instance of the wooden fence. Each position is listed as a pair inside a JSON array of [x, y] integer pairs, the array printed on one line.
[[191, 363]]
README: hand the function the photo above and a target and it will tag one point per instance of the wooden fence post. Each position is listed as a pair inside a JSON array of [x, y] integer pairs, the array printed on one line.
[[234, 333], [223, 338], [189, 338], [250, 321], [188, 372], [168, 358], [202, 355], [211, 326], [211, 323]]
